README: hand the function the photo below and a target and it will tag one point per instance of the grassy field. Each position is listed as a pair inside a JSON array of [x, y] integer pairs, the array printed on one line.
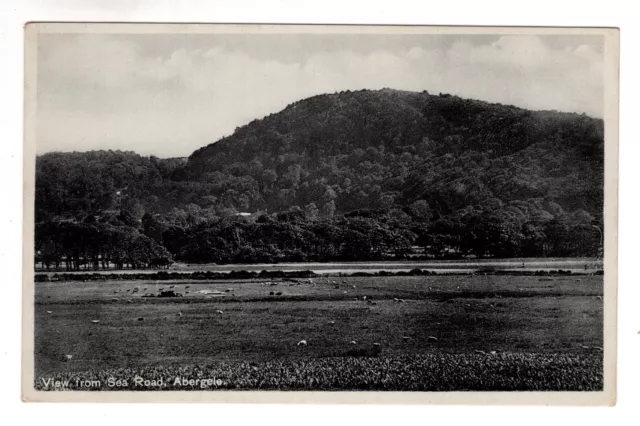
[[438, 334]]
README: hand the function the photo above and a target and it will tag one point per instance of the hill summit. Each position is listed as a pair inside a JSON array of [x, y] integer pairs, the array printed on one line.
[[374, 149]]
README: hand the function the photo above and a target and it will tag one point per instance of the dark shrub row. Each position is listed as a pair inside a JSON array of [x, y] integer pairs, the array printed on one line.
[[239, 275]]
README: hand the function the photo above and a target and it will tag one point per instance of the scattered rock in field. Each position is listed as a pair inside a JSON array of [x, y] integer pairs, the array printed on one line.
[[406, 338], [376, 344], [584, 347], [219, 312], [364, 297], [599, 297], [187, 286], [432, 339], [49, 312], [493, 352], [467, 305], [172, 286], [401, 300], [353, 342], [332, 322], [95, 321], [180, 313], [395, 299], [353, 286], [598, 348], [480, 352], [129, 301], [228, 290], [302, 343], [214, 292]]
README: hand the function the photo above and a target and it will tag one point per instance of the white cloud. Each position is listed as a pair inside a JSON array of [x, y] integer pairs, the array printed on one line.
[[96, 92]]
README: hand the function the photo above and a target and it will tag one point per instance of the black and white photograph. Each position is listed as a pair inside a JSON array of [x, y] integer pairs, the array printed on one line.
[[344, 213]]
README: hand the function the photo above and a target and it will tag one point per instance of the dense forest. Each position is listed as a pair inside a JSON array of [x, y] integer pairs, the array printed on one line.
[[347, 176]]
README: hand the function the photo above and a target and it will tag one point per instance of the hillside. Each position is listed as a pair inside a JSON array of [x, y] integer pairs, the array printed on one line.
[[74, 184], [373, 149], [344, 176]]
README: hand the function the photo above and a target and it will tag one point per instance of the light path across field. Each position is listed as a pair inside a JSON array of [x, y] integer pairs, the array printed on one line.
[[584, 265]]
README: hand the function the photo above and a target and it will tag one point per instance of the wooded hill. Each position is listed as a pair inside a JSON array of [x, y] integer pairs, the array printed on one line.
[[418, 165]]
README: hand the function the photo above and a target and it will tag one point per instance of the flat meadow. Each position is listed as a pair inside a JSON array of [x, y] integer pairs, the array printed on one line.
[[430, 333]]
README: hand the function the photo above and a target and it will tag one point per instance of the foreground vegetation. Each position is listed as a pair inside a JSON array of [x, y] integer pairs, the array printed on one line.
[[429, 372]]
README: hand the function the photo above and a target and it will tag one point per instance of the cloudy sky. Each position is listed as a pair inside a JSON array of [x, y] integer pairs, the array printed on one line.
[[168, 95]]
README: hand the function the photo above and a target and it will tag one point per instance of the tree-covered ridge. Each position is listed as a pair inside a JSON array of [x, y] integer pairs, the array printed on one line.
[[372, 149], [390, 169], [79, 183]]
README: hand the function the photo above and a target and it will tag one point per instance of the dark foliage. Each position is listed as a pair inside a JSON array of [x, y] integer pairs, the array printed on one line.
[[349, 176]]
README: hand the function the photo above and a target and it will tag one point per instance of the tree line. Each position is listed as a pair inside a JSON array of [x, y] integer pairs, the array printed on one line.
[[122, 241], [77, 246]]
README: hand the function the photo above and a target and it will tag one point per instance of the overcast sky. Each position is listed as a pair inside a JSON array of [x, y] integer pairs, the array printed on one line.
[[168, 95]]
